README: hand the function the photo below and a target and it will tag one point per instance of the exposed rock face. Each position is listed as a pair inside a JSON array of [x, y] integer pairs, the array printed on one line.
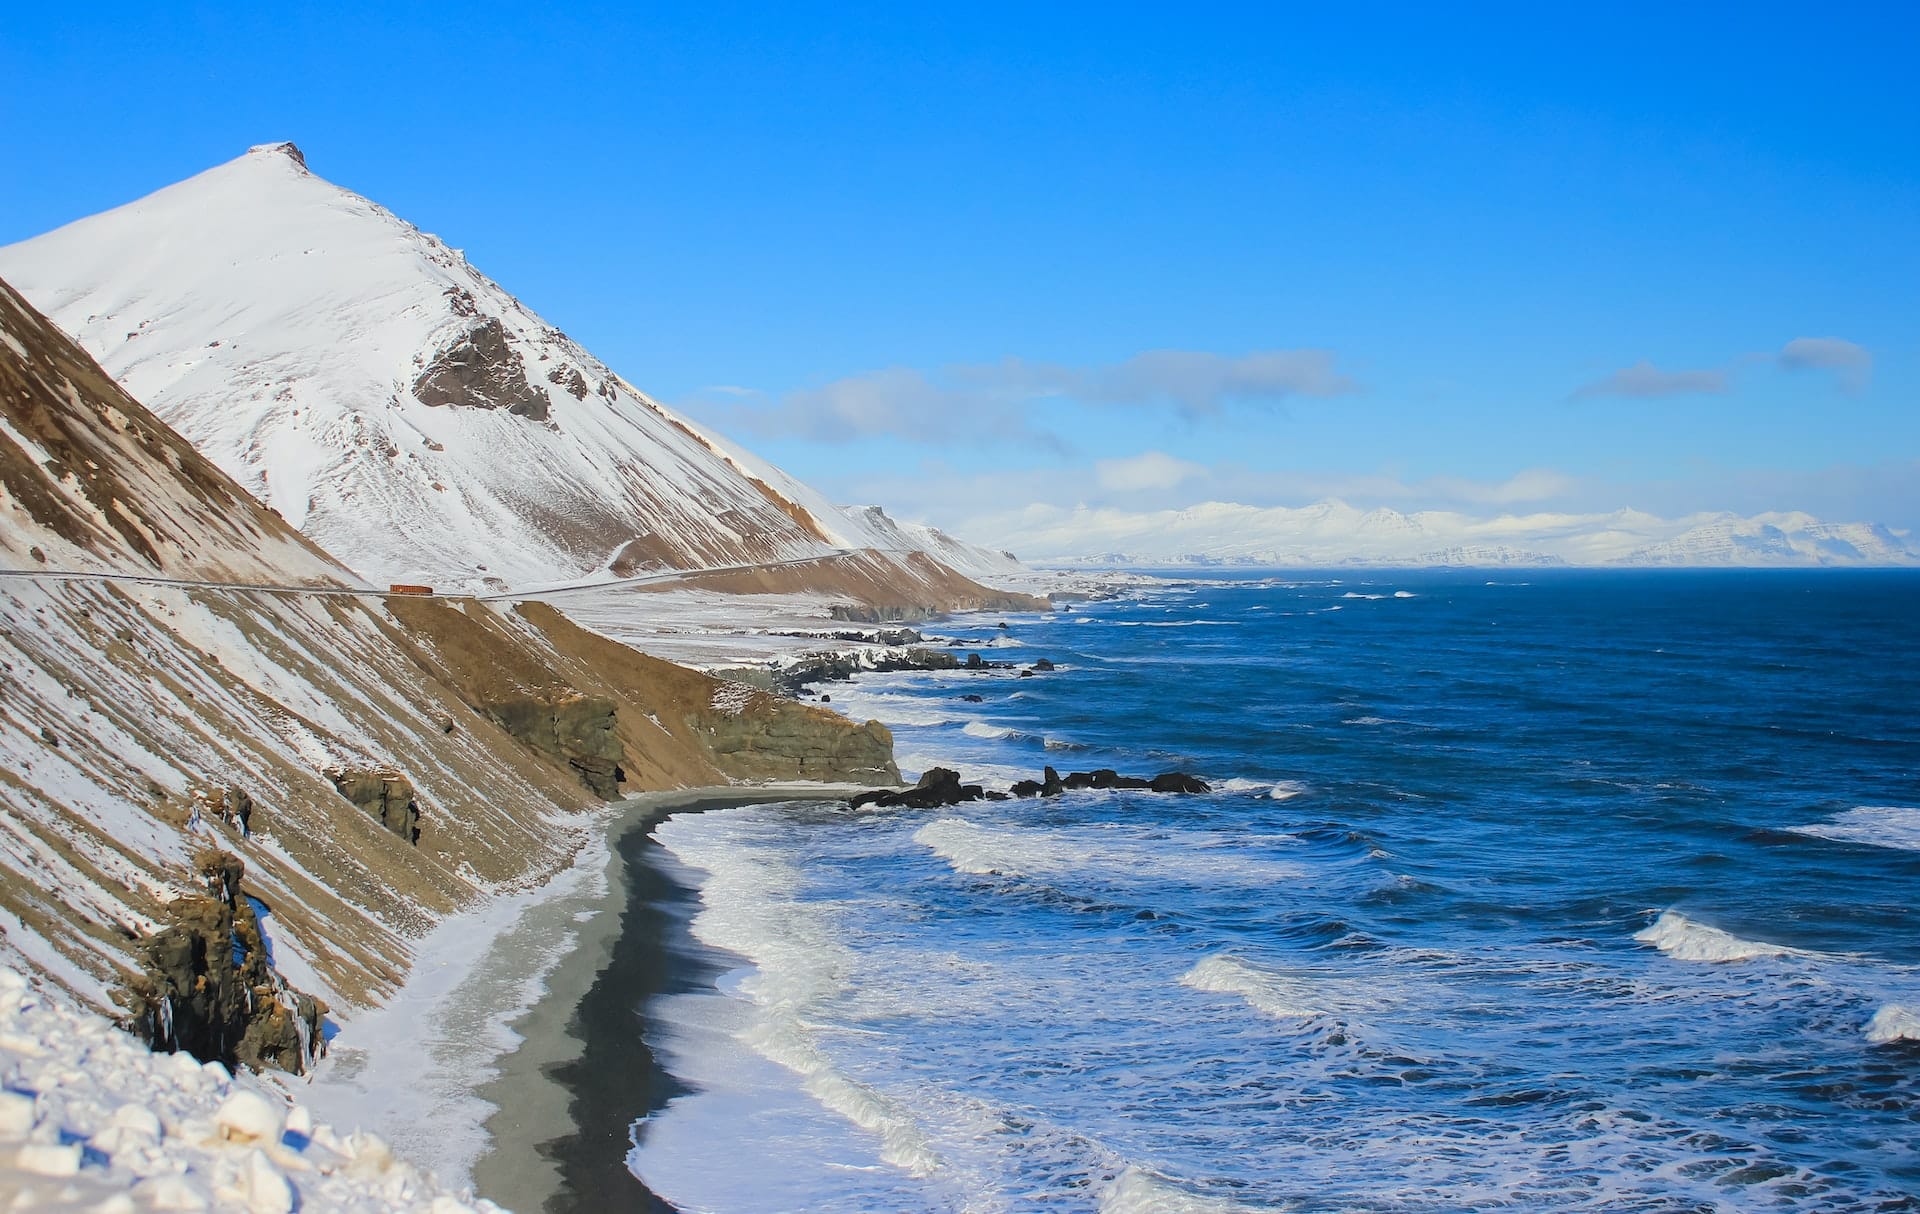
[[570, 379], [1052, 784], [779, 740], [826, 667], [480, 370], [863, 613], [579, 731], [387, 795], [938, 787], [209, 989]]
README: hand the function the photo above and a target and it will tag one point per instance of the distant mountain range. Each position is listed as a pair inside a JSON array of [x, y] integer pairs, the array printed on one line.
[[1332, 533], [405, 411]]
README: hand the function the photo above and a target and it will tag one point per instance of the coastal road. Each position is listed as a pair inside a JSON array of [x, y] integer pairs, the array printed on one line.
[[666, 577]]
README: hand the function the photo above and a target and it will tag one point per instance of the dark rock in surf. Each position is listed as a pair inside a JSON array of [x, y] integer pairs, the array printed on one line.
[[938, 787], [1179, 781]]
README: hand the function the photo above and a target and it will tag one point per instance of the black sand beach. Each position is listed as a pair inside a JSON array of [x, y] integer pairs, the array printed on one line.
[[583, 1074]]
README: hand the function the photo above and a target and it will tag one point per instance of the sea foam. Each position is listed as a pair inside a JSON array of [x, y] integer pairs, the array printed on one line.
[[1276, 995], [1685, 940], [1875, 825], [1099, 855], [1894, 1022], [1138, 1191]]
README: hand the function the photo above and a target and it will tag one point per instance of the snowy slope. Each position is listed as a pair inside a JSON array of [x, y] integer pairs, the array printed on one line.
[[392, 402], [90, 480], [970, 559]]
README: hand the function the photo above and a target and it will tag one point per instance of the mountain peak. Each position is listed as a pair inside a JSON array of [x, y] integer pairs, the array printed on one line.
[[400, 408], [286, 148]]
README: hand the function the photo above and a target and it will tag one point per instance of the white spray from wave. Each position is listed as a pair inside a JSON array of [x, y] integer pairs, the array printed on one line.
[[1278, 790], [980, 729], [1685, 940], [1276, 995], [1139, 1191], [1894, 1022], [749, 907], [1875, 825], [1100, 855]]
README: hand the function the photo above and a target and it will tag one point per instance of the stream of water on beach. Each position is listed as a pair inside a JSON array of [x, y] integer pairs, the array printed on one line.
[[1534, 891]]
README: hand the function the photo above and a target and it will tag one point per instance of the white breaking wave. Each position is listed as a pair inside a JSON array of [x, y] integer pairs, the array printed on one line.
[[1138, 1191], [1096, 854], [1405, 594], [1685, 940], [1354, 594], [1894, 1022], [1279, 790], [750, 907], [980, 729], [1276, 995], [1875, 825]]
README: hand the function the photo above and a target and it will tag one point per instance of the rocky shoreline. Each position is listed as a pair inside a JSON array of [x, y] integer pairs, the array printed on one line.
[[941, 786]]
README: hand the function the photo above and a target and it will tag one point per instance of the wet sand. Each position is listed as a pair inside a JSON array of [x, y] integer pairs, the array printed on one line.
[[568, 1096]]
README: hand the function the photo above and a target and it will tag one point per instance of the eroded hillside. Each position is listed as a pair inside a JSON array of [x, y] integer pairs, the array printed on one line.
[[372, 763]]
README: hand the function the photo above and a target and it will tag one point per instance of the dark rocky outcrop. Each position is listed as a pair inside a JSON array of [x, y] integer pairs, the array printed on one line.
[[570, 379], [780, 740], [835, 667], [866, 613], [386, 795], [209, 988], [578, 731], [229, 804], [1044, 664], [938, 786], [1052, 783], [480, 369], [1179, 781]]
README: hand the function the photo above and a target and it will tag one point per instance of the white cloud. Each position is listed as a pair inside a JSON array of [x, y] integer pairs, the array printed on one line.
[[1148, 470], [990, 402], [1850, 362], [899, 402], [1198, 382], [1644, 379]]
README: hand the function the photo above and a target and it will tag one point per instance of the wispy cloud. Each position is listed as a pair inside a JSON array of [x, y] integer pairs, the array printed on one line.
[[898, 402], [1643, 379], [1148, 470], [1850, 362], [986, 403], [1197, 382]]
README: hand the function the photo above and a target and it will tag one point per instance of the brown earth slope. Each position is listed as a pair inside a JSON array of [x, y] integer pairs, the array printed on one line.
[[143, 728]]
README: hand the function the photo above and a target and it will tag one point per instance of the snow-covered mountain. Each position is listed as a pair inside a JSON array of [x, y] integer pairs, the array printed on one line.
[[970, 559], [1331, 533], [396, 405]]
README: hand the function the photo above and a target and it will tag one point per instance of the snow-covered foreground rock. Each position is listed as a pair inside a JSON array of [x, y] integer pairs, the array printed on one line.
[[91, 1121]]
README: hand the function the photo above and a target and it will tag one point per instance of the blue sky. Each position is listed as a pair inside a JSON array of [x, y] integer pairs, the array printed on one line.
[[1490, 259]]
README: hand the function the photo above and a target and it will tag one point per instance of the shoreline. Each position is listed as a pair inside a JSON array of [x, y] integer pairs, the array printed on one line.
[[566, 1095]]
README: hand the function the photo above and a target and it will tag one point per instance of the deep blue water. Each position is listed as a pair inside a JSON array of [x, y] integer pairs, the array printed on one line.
[[1534, 892]]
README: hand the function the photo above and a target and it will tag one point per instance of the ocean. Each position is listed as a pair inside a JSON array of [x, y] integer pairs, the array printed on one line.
[[1524, 890]]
